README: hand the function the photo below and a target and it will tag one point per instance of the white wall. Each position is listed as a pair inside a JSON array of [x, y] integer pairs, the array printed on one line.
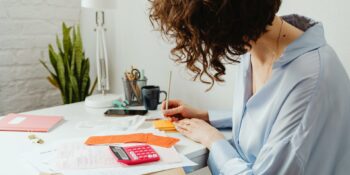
[[132, 42], [26, 28]]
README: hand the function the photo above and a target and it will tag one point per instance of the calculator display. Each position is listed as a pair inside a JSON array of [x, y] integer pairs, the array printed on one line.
[[120, 153]]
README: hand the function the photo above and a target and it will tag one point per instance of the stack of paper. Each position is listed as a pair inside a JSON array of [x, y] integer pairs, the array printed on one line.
[[164, 125], [73, 157]]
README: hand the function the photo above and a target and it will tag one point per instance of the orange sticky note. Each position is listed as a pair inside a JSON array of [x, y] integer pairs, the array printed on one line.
[[128, 138], [133, 138], [164, 125], [162, 141], [94, 140]]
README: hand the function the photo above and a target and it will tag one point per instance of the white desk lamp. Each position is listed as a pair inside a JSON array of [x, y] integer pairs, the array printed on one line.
[[102, 100]]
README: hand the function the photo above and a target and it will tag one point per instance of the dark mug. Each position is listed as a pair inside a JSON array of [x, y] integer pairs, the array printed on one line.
[[150, 97]]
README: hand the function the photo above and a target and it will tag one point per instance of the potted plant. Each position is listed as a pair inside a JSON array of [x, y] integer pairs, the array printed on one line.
[[70, 67]]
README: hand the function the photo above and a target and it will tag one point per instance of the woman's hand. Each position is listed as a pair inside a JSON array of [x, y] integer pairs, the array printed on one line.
[[199, 131], [177, 109]]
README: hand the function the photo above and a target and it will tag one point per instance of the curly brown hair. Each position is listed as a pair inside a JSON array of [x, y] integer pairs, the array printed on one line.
[[211, 33]]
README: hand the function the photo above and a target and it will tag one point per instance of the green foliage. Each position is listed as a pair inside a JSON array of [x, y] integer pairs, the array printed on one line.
[[71, 68]]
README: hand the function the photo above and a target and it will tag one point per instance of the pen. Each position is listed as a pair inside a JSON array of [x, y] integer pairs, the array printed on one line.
[[153, 119], [167, 99]]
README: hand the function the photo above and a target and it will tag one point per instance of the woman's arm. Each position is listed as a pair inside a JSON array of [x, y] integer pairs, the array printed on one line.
[[220, 119], [178, 109], [287, 146]]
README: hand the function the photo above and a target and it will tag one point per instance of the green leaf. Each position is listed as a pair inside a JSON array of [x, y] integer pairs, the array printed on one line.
[[85, 79], [70, 93], [47, 68], [59, 45], [78, 52], [74, 83], [93, 87], [53, 81], [67, 42], [64, 98], [67, 67], [72, 63], [52, 57], [61, 73], [87, 89]]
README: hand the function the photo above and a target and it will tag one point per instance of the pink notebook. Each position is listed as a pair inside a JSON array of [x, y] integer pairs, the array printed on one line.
[[28, 123]]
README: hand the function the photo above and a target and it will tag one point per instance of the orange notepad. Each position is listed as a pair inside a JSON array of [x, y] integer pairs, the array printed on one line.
[[28, 123], [133, 138], [164, 125]]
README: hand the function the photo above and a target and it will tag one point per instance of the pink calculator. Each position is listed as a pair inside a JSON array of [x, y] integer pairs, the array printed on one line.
[[132, 155]]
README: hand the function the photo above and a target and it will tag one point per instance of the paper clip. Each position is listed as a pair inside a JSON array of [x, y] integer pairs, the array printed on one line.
[[35, 139]]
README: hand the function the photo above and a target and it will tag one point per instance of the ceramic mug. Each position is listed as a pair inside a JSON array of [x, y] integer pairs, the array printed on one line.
[[151, 95]]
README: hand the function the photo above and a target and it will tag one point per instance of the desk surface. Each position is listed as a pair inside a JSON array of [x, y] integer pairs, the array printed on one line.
[[14, 144]]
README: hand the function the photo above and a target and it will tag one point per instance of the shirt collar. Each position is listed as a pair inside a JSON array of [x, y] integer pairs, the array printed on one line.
[[312, 38]]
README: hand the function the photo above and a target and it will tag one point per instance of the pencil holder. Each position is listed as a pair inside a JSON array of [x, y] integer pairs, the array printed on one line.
[[132, 91]]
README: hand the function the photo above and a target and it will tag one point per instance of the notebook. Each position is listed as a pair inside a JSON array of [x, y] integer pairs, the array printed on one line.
[[28, 123]]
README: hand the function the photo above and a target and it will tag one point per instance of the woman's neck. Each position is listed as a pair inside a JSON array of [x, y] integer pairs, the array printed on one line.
[[271, 45], [268, 48]]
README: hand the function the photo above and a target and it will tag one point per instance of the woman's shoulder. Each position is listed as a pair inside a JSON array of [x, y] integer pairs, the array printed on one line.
[[322, 62], [321, 66]]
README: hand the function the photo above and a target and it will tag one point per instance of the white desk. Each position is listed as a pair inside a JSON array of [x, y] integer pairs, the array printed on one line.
[[13, 144]]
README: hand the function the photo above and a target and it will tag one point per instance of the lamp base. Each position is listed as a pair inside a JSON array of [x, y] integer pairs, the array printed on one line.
[[101, 100]]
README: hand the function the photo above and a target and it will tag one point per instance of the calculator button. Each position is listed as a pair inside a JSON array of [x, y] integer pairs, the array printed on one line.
[[155, 155], [133, 155]]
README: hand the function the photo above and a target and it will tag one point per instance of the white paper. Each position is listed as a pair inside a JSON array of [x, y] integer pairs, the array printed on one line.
[[148, 130], [75, 154], [75, 158], [40, 160], [135, 170], [118, 124]]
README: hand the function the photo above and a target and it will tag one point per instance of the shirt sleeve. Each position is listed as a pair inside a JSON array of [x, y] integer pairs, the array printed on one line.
[[279, 154], [220, 119]]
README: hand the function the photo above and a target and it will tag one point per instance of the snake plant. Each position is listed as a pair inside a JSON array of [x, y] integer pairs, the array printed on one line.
[[71, 69]]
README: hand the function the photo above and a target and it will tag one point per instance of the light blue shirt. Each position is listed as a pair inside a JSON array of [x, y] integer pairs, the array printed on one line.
[[298, 122]]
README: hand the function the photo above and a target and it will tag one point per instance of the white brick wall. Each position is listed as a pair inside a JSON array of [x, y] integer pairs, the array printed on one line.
[[26, 28]]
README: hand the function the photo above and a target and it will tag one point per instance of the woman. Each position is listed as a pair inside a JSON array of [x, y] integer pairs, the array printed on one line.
[[291, 101]]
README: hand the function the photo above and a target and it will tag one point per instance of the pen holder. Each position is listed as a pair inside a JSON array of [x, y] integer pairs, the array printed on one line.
[[132, 91]]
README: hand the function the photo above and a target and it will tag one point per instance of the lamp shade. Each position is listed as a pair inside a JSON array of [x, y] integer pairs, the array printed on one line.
[[99, 4]]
